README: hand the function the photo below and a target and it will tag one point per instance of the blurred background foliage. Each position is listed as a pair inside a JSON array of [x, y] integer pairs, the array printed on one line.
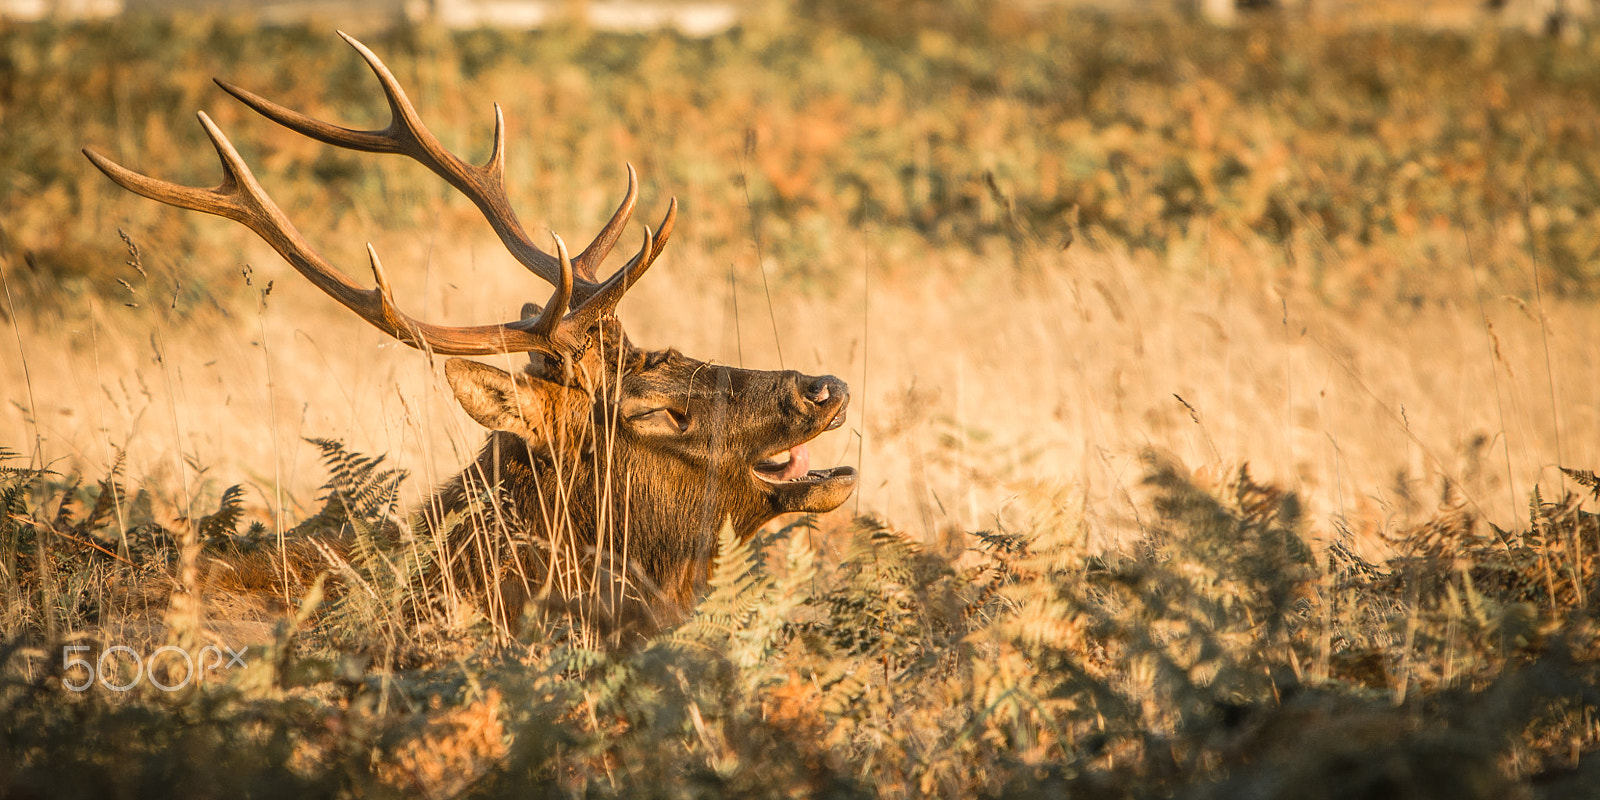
[[1364, 155], [1215, 654], [1164, 632]]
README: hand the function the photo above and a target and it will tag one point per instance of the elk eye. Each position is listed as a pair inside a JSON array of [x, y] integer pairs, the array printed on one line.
[[679, 418], [663, 419]]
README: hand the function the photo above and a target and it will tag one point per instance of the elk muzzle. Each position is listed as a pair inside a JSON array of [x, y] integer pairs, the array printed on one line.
[[784, 474]]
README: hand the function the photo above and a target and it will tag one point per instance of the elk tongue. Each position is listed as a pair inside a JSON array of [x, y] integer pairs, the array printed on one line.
[[799, 463]]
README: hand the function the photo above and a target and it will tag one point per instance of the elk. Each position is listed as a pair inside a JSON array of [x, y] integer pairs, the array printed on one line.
[[609, 469]]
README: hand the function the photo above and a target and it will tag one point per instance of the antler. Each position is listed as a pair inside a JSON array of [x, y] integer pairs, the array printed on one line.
[[556, 331], [485, 186]]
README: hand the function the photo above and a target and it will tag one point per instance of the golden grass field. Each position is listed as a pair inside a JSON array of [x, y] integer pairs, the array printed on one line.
[[970, 380], [971, 356], [1039, 249]]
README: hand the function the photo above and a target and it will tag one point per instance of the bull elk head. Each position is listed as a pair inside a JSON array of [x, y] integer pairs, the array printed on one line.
[[604, 459]]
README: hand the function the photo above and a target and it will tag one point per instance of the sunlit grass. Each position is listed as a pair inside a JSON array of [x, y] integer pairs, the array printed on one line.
[[1054, 257]]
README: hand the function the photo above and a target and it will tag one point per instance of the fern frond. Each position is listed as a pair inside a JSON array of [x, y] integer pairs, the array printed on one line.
[[738, 585], [110, 498], [360, 492], [1585, 478], [224, 522]]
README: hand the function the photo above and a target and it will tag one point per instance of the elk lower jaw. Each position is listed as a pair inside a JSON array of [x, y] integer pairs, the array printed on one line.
[[794, 487]]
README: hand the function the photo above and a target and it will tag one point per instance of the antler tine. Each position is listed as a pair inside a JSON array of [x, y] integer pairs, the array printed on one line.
[[579, 300], [484, 185], [593, 255], [240, 198], [550, 318], [641, 261], [663, 233], [407, 135], [604, 301]]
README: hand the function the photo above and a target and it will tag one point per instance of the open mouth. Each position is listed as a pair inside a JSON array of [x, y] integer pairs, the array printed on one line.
[[793, 464]]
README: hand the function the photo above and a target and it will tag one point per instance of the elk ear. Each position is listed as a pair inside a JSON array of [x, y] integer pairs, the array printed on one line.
[[499, 400]]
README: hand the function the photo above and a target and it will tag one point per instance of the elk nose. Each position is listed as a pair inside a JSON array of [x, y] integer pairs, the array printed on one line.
[[821, 390]]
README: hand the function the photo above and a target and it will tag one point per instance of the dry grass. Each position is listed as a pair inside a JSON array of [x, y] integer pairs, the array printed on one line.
[[1401, 338], [969, 379], [977, 348]]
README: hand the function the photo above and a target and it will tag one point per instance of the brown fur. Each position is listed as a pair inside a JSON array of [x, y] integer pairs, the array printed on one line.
[[590, 499], [611, 468]]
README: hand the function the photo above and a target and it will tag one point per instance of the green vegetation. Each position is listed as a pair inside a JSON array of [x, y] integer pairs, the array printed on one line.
[[1204, 635], [1362, 156], [1213, 655]]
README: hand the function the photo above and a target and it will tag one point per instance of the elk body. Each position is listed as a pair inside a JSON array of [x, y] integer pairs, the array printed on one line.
[[609, 469]]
